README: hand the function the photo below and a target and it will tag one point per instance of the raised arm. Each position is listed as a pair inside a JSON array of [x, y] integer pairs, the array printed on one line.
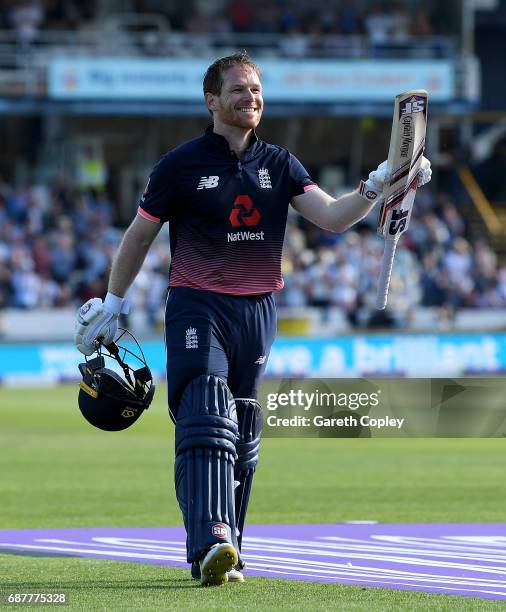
[[338, 214], [329, 213]]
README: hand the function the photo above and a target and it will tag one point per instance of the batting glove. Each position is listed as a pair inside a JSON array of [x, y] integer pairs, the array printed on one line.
[[97, 321], [372, 189], [425, 172]]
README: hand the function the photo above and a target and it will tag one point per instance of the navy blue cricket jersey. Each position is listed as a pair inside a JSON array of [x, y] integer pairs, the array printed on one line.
[[227, 216]]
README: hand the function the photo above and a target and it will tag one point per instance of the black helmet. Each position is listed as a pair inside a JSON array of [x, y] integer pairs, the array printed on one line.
[[108, 400]]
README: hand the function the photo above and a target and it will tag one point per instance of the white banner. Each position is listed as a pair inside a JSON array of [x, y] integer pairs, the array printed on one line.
[[298, 81]]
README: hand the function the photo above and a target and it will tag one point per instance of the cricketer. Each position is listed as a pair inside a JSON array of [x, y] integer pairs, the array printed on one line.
[[225, 196]]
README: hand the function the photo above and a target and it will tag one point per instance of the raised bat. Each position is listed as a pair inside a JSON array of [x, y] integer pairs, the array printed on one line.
[[407, 144]]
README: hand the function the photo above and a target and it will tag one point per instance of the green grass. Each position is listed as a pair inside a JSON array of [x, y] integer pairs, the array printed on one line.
[[94, 584], [57, 471]]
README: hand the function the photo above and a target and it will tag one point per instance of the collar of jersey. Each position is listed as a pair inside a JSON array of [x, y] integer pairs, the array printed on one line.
[[220, 144]]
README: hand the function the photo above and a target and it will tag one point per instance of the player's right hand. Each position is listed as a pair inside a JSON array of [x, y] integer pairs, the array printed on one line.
[[379, 176], [372, 189], [96, 321]]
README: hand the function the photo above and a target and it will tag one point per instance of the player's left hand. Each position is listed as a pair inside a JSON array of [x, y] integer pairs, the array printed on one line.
[[425, 172], [94, 324], [97, 322]]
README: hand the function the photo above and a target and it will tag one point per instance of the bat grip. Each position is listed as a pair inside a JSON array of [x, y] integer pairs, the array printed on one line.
[[385, 273]]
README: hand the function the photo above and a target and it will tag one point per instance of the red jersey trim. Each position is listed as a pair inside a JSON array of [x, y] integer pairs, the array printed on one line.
[[309, 187], [146, 215]]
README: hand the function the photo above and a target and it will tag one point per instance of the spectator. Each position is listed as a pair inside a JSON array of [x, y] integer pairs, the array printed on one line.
[[457, 261], [41, 255], [378, 24], [26, 17], [91, 170], [400, 26], [267, 17], [454, 222], [294, 43], [241, 15], [421, 24], [63, 257], [348, 19], [434, 281]]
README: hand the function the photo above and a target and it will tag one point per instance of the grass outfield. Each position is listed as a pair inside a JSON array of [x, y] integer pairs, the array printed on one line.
[[57, 471]]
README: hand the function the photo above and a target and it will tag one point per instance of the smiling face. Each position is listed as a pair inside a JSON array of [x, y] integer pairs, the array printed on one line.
[[240, 103]]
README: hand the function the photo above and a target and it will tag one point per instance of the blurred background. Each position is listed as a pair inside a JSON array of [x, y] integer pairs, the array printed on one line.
[[93, 92]]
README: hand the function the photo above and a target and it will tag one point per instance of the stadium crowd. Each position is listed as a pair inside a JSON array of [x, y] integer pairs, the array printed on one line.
[[382, 22], [57, 243]]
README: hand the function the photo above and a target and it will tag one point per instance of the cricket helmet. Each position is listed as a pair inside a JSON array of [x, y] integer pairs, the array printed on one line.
[[113, 400]]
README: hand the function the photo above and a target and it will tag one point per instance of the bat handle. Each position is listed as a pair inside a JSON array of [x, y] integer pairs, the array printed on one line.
[[385, 273]]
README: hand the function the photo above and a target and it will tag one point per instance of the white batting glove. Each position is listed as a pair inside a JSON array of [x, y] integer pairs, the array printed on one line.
[[372, 189], [98, 321], [425, 172]]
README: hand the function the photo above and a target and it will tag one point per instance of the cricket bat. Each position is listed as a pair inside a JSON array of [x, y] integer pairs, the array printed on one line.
[[407, 144]]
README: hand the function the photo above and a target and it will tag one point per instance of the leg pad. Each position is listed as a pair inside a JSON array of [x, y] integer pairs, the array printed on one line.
[[250, 419], [206, 435]]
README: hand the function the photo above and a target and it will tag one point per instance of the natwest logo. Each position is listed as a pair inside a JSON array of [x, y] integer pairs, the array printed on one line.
[[244, 213]]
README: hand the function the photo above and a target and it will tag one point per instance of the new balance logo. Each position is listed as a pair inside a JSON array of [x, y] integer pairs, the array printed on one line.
[[192, 341], [261, 360], [264, 178], [208, 182]]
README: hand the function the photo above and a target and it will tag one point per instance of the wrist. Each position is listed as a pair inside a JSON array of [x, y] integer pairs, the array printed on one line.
[[370, 191], [114, 304]]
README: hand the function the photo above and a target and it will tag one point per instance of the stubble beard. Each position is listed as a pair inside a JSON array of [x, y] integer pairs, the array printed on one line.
[[232, 118]]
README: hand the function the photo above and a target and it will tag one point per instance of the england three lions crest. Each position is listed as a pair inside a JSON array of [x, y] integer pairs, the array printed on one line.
[[264, 179]]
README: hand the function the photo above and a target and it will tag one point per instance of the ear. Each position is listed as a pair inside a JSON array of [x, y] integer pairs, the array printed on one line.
[[210, 101]]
